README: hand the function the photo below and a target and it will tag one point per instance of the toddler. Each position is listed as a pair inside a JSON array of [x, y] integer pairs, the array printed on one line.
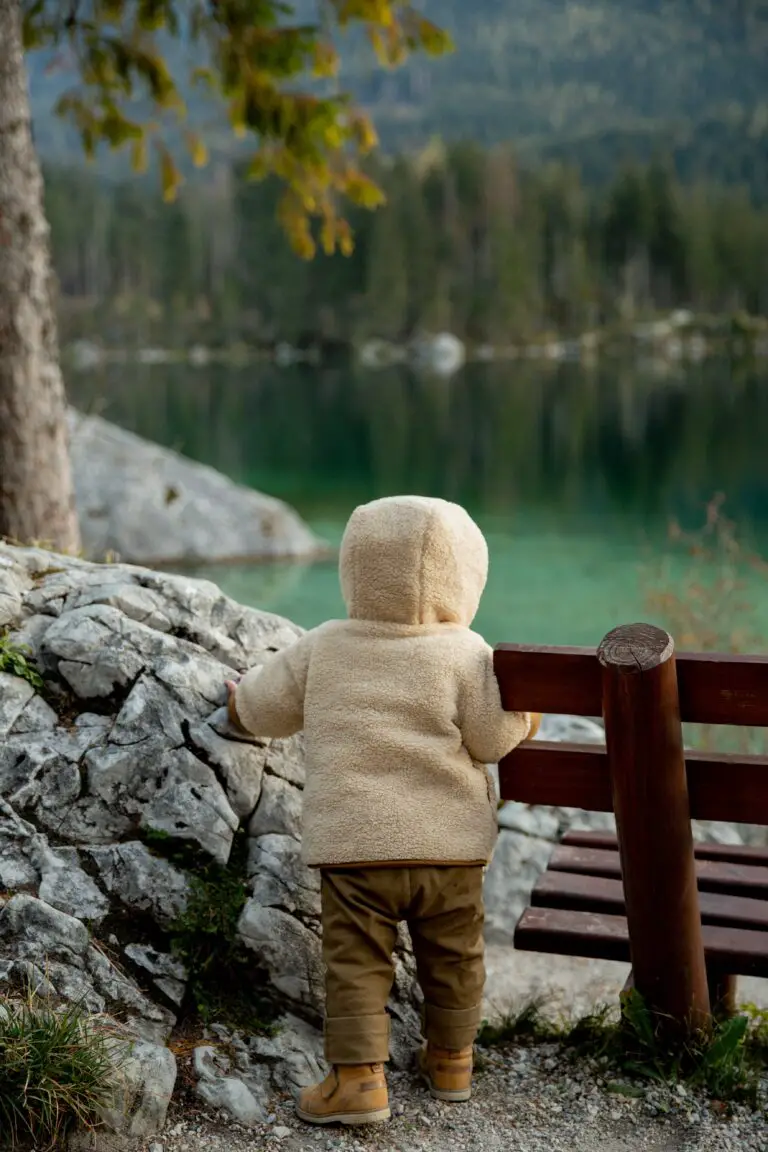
[[401, 712]]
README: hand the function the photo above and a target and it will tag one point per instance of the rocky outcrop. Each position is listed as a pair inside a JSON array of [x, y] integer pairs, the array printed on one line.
[[121, 784], [149, 505]]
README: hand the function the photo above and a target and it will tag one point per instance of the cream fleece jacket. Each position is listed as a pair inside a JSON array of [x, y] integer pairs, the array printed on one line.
[[399, 703]]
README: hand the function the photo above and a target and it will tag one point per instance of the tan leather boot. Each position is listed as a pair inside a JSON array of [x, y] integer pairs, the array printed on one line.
[[448, 1074], [350, 1094]]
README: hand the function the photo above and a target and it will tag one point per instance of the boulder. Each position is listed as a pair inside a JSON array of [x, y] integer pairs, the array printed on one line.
[[150, 505], [442, 354]]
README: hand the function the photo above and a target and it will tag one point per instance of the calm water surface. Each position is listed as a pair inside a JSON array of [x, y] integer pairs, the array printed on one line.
[[572, 474]]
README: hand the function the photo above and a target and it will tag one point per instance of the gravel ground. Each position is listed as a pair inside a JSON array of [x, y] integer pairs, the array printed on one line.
[[526, 1100]]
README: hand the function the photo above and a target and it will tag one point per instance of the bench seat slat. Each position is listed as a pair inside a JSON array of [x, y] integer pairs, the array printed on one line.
[[713, 875], [575, 892], [734, 853], [599, 936]]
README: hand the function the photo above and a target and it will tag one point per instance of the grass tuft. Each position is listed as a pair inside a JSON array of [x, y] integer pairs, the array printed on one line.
[[725, 1060], [57, 1071]]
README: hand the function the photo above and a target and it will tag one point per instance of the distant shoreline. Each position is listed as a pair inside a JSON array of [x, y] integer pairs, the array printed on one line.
[[677, 336]]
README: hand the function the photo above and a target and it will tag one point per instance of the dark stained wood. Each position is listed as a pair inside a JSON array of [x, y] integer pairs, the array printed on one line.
[[735, 853], [555, 931], [714, 688], [583, 893], [712, 875], [592, 934], [643, 692], [717, 688], [644, 741], [729, 788], [578, 892], [590, 861], [549, 679], [557, 774], [735, 879], [720, 787], [736, 950]]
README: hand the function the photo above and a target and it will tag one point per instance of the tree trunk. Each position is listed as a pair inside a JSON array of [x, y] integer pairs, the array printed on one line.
[[36, 490]]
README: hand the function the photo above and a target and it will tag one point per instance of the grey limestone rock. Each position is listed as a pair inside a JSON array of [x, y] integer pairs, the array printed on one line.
[[149, 504]]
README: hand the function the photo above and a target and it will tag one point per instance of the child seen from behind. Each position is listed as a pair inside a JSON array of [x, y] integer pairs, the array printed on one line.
[[401, 712]]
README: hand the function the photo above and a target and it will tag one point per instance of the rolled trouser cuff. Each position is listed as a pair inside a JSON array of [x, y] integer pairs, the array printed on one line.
[[450, 1028], [357, 1039]]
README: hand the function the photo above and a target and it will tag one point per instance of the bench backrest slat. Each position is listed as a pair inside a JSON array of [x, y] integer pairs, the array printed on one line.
[[714, 688], [720, 787]]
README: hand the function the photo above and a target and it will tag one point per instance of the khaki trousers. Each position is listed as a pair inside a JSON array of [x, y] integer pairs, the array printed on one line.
[[361, 909]]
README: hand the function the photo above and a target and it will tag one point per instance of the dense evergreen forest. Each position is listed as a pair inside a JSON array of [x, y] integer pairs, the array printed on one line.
[[469, 242]]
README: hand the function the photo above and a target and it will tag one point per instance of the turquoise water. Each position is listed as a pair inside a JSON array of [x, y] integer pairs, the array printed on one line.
[[573, 474]]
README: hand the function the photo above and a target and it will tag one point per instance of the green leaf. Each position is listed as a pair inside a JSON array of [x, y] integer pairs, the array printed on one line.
[[729, 1038]]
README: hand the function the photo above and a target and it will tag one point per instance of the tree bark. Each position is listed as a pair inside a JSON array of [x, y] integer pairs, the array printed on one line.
[[36, 489]]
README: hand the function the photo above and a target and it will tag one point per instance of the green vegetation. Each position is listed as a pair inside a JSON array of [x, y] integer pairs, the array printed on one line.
[[57, 1070], [468, 242], [223, 984], [725, 1060], [17, 660]]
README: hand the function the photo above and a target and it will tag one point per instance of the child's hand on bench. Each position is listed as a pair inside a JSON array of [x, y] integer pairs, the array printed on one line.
[[535, 725]]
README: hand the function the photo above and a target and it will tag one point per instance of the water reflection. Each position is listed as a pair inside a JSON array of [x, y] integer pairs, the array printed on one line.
[[572, 474], [617, 440]]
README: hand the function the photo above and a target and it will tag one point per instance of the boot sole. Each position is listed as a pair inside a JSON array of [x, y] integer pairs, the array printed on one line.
[[460, 1096], [346, 1118]]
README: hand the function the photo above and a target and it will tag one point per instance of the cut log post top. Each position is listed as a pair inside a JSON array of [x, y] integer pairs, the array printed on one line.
[[635, 648]]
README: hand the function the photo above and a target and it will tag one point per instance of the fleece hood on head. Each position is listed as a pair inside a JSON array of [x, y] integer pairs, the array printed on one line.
[[413, 560]]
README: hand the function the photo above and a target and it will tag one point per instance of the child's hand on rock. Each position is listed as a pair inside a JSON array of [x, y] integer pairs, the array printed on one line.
[[231, 687]]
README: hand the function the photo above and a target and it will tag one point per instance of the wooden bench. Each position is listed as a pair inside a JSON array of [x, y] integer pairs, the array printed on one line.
[[688, 918]]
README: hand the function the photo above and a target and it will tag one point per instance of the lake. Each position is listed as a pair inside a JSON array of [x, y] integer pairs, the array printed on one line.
[[573, 473]]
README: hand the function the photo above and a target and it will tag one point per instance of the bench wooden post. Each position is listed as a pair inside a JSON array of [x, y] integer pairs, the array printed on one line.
[[650, 798]]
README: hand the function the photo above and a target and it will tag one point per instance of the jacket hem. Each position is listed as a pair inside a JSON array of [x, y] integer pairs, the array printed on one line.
[[346, 864]]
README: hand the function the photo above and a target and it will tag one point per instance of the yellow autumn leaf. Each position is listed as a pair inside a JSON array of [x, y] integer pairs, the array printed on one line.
[[197, 150], [328, 235], [170, 177], [325, 60], [139, 154]]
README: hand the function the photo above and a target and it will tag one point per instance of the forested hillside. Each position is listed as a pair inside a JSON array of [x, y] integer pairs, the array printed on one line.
[[594, 78], [467, 242]]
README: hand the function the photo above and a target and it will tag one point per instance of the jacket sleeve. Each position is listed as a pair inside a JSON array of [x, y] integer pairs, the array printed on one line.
[[270, 697], [487, 731]]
